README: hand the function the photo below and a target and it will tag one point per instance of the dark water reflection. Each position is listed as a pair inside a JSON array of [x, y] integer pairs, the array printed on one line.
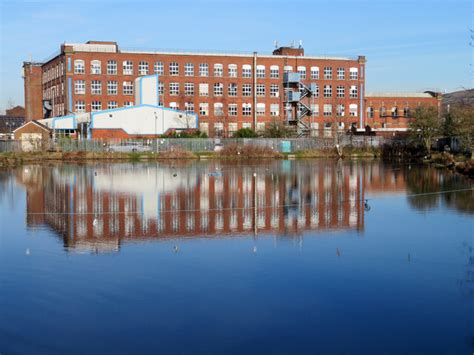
[[221, 257]]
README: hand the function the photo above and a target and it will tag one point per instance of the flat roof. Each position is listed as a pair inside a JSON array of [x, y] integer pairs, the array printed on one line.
[[398, 94]]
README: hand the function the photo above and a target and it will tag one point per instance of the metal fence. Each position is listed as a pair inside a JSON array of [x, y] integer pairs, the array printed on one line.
[[284, 145]]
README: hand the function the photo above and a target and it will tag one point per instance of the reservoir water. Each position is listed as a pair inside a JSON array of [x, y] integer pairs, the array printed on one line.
[[211, 257]]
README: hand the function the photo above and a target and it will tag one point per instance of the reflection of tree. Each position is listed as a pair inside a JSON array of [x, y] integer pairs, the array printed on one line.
[[429, 180]]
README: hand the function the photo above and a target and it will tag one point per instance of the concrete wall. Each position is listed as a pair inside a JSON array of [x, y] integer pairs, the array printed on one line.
[[146, 90]]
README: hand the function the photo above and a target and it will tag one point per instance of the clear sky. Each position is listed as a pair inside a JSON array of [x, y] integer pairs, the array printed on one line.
[[409, 45]]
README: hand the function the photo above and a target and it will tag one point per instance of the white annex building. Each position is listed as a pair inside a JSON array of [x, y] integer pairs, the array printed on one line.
[[146, 119]]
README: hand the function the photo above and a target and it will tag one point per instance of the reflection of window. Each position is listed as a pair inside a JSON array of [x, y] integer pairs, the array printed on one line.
[[370, 112], [394, 112], [406, 112]]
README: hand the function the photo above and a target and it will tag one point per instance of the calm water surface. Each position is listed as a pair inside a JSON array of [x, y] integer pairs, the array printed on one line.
[[277, 257]]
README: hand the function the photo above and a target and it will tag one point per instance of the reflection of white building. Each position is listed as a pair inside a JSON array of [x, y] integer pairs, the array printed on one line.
[[146, 119]]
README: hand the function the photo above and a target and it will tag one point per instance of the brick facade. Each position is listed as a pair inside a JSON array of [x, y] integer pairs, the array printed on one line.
[[61, 80], [32, 73]]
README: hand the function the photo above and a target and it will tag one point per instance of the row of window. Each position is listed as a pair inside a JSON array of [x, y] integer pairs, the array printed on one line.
[[232, 108], [393, 113], [218, 70], [218, 89]]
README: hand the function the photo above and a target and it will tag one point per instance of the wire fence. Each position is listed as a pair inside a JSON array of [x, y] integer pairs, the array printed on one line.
[[282, 145]]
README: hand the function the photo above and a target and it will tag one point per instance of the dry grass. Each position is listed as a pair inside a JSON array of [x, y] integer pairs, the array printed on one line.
[[176, 154], [235, 151]]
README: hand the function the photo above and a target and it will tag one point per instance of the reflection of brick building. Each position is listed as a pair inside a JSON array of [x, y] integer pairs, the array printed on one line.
[[86, 211]]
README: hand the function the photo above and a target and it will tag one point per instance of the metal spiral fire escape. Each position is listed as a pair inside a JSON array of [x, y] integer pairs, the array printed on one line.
[[296, 110]]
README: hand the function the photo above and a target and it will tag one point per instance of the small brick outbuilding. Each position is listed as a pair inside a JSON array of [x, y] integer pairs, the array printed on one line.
[[33, 135]]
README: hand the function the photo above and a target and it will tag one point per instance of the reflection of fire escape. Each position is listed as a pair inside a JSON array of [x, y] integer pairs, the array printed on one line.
[[295, 109]]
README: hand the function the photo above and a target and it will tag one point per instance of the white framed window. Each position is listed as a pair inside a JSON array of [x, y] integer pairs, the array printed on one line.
[[353, 73], [370, 112], [327, 91], [79, 66], [189, 89], [204, 89], [112, 67], [341, 73], [260, 71], [232, 89], [203, 69], [112, 87], [260, 89], [274, 90], [80, 106], [302, 71], [174, 69], [340, 110], [315, 110], [161, 88], [246, 125], [204, 109], [232, 109], [353, 109], [96, 67], [232, 127], [96, 87], [218, 89], [316, 90], [143, 68], [353, 92], [174, 89], [232, 70], [260, 128], [246, 71], [128, 104], [327, 110], [189, 107], [274, 109], [260, 109], [127, 67], [159, 68], [274, 72], [111, 105], [79, 87], [218, 109], [127, 88], [287, 68], [218, 70], [188, 69], [96, 106], [314, 73], [174, 105], [340, 91], [246, 110], [246, 90], [327, 72]]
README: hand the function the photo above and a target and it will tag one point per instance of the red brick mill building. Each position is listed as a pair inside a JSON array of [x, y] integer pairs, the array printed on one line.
[[227, 91]]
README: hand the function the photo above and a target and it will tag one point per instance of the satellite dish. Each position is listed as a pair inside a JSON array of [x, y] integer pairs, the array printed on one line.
[[47, 105]]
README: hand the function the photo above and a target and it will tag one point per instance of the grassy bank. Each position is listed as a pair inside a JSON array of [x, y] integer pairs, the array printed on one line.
[[230, 152]]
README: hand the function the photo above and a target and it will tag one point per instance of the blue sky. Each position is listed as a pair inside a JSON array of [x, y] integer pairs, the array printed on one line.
[[409, 45]]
